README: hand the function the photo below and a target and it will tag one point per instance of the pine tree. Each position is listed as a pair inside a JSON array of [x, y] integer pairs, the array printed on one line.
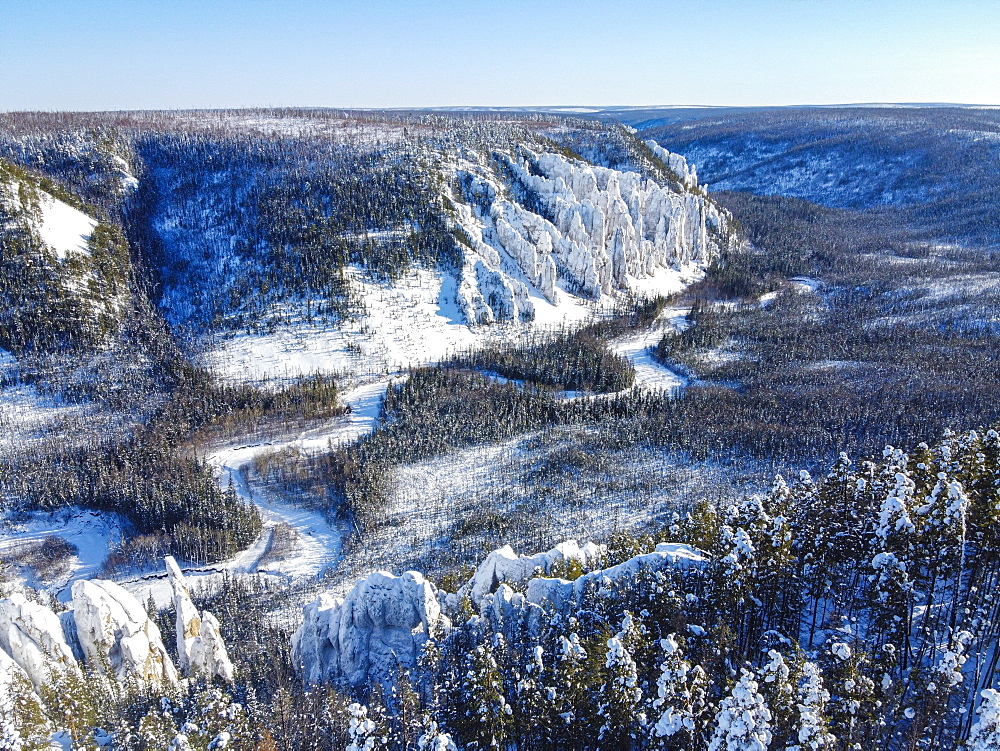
[[362, 732], [434, 740], [743, 722], [854, 708], [569, 699], [23, 725], [811, 728], [619, 696], [489, 717], [892, 582], [777, 686], [680, 699], [985, 735]]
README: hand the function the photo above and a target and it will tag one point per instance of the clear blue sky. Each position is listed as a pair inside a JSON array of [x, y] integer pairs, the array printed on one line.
[[129, 54]]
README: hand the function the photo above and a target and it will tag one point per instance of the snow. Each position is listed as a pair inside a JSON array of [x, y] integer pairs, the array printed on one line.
[[985, 735], [805, 283], [664, 282], [94, 533], [964, 286], [63, 228], [649, 372], [412, 321], [26, 413]]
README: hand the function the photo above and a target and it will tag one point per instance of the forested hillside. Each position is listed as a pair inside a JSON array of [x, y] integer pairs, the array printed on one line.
[[498, 430]]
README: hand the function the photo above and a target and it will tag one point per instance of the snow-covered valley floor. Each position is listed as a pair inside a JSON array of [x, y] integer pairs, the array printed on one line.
[[433, 499]]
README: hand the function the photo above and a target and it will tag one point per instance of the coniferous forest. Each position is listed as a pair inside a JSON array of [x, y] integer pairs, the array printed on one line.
[[492, 430]]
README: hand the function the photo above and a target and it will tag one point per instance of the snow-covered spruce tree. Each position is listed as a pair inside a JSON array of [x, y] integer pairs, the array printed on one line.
[[778, 591], [743, 721], [576, 670], [362, 732], [777, 679], [752, 587], [942, 533], [157, 728], [432, 739], [983, 485], [854, 711], [933, 690], [488, 716], [891, 583], [403, 714], [810, 729], [213, 720], [676, 714], [79, 702], [830, 540], [985, 734], [619, 697], [23, 725], [531, 700]]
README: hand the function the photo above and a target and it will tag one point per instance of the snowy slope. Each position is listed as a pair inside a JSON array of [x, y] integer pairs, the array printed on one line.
[[63, 228], [613, 233]]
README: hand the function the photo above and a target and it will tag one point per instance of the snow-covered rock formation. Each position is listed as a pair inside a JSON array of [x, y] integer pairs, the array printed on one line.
[[385, 620], [676, 164], [505, 566], [383, 623], [32, 636], [201, 651], [115, 631], [560, 593], [550, 222]]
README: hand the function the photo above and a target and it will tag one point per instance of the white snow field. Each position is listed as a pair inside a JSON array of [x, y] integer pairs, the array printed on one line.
[[63, 228], [413, 321], [93, 533], [649, 373]]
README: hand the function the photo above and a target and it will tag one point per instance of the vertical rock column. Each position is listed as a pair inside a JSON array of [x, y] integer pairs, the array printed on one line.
[[200, 649]]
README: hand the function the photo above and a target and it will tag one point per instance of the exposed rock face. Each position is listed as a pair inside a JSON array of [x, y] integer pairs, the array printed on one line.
[[560, 593], [591, 229], [32, 636], [505, 566], [200, 648], [383, 623], [677, 164], [114, 630]]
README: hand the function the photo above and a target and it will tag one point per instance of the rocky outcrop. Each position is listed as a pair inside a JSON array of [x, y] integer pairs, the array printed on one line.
[[504, 566], [32, 636], [381, 625], [554, 222], [676, 164], [115, 633], [560, 593], [201, 651]]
